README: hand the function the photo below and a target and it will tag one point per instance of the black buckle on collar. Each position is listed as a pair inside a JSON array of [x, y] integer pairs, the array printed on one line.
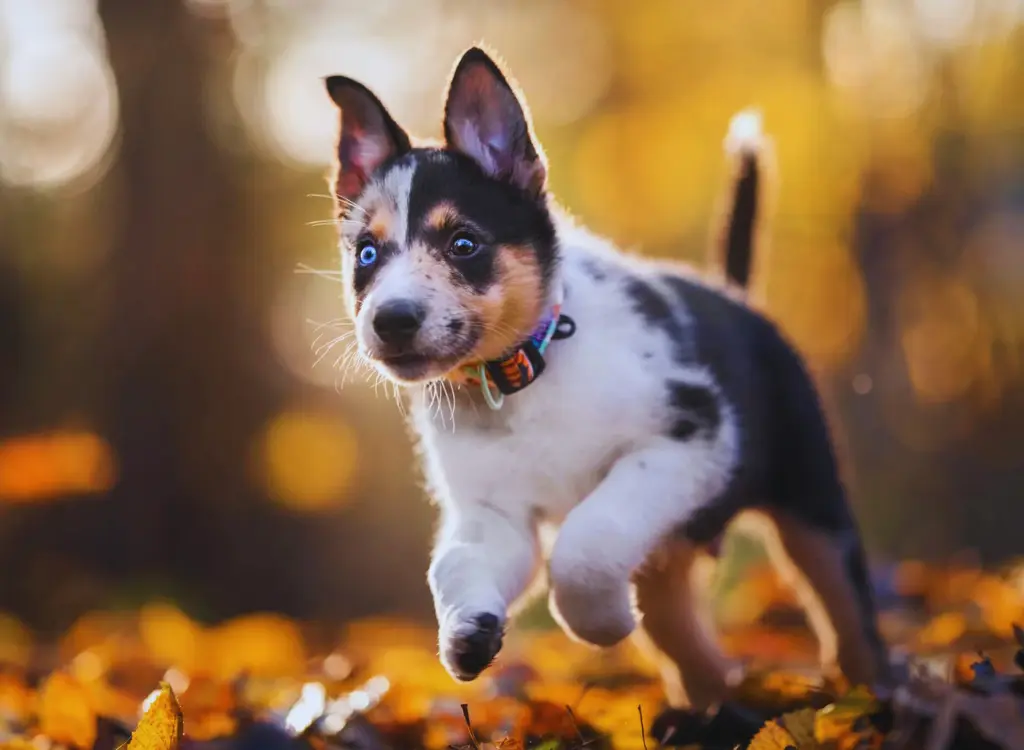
[[518, 370], [565, 328]]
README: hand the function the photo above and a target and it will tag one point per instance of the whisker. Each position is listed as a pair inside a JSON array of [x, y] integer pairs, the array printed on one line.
[[325, 349], [330, 275], [449, 391], [333, 342], [340, 199], [333, 323]]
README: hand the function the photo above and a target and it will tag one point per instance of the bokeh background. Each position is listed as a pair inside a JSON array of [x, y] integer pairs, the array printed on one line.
[[168, 426]]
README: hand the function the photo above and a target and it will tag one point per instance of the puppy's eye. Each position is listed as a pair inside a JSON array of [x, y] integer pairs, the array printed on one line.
[[367, 253], [463, 245]]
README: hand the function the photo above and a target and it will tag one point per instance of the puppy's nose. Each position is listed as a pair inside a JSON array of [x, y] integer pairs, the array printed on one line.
[[396, 322]]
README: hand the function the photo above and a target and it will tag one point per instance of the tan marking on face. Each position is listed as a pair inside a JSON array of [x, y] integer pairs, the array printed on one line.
[[440, 216], [382, 224], [512, 307]]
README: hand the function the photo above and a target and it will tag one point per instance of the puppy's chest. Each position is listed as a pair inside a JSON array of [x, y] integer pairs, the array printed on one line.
[[547, 448]]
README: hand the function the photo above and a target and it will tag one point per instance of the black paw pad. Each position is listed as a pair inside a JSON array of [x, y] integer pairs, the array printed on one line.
[[475, 652]]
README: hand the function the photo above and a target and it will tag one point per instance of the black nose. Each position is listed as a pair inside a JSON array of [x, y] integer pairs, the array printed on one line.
[[397, 322]]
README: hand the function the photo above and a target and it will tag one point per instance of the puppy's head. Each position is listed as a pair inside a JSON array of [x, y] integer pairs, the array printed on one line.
[[447, 252]]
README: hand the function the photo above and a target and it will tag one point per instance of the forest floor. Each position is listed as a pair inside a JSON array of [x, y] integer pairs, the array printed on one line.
[[263, 682]]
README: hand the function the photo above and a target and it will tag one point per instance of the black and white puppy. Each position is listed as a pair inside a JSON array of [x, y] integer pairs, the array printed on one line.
[[623, 402]]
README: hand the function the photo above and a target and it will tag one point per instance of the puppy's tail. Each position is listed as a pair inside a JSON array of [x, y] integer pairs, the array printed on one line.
[[738, 240]]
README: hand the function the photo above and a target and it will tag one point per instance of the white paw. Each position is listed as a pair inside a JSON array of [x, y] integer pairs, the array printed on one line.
[[599, 616]]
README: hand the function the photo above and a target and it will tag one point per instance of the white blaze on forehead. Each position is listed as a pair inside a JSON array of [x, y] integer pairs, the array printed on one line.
[[391, 194], [399, 278]]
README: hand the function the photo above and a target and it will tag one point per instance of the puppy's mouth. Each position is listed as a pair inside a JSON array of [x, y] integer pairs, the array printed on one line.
[[416, 367], [419, 364]]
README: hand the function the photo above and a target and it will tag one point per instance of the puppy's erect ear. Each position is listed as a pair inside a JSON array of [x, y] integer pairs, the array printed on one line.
[[369, 136], [484, 119]]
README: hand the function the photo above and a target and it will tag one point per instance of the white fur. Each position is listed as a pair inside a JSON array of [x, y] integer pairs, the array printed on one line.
[[582, 448]]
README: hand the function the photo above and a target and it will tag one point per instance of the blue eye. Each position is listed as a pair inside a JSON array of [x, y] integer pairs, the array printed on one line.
[[464, 245], [367, 253]]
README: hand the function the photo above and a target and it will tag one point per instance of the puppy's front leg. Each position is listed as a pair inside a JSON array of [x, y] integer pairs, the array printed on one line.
[[612, 533], [483, 561]]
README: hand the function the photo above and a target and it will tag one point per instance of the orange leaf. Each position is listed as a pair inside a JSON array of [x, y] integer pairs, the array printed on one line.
[[66, 712], [943, 630]]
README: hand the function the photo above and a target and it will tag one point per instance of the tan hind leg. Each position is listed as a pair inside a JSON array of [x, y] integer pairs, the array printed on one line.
[[675, 629], [826, 572]]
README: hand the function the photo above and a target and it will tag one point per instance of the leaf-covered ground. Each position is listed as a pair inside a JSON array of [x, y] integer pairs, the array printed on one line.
[[263, 681]]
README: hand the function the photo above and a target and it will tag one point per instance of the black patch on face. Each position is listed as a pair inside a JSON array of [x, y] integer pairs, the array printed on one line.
[[497, 213]]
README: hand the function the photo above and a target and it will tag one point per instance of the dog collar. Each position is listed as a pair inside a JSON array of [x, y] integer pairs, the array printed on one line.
[[521, 366]]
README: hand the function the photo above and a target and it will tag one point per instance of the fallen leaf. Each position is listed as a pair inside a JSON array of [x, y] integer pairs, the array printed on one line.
[[772, 736], [801, 727], [837, 719], [1000, 603], [943, 630], [161, 726]]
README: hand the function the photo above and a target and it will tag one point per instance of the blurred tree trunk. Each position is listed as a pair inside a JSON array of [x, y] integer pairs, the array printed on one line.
[[175, 354], [166, 269]]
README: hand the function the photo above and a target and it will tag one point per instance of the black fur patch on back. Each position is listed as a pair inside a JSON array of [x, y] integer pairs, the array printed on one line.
[[786, 458], [694, 408], [499, 213], [697, 409]]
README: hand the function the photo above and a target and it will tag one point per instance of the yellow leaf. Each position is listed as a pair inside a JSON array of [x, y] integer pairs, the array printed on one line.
[[800, 725], [772, 737], [66, 712], [509, 743], [161, 726], [836, 720]]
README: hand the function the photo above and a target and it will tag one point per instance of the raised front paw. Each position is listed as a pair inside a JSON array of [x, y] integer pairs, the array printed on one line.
[[469, 644]]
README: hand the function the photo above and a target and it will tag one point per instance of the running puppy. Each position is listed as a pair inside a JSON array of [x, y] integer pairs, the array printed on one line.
[[626, 403]]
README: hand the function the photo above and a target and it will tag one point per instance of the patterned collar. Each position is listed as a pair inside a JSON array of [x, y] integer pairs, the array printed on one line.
[[522, 365]]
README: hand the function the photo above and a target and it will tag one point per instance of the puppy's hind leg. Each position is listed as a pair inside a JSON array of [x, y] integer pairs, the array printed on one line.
[[827, 571], [675, 629]]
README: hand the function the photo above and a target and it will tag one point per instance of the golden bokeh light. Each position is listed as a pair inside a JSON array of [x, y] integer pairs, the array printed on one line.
[[15, 641], [308, 460], [44, 467], [942, 337], [170, 637], [622, 180], [258, 644], [825, 317], [311, 332], [872, 55]]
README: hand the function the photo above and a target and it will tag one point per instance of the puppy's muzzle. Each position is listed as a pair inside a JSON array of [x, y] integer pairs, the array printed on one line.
[[397, 322]]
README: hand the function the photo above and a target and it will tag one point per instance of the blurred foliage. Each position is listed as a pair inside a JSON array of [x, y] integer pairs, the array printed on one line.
[[264, 681], [160, 163]]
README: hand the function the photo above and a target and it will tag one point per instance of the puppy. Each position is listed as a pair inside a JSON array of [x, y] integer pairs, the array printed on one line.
[[630, 405]]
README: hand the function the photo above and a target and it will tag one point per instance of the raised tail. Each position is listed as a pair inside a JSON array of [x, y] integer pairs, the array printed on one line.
[[738, 239]]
